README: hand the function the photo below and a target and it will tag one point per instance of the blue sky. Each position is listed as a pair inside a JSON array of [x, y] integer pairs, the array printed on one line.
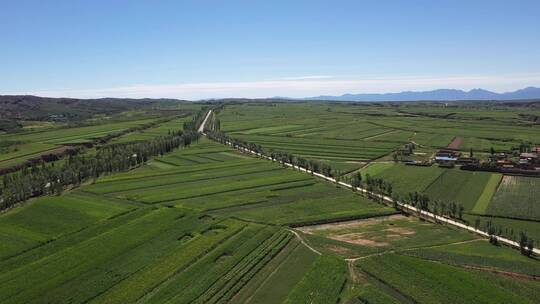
[[205, 49]]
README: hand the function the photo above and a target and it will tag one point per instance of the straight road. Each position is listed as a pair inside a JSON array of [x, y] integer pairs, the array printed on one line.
[[201, 127]]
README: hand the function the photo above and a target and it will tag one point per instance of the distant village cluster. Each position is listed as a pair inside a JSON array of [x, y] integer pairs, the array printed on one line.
[[525, 160]]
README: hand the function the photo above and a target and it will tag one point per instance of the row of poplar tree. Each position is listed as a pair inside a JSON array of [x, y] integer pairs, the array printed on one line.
[[53, 178]]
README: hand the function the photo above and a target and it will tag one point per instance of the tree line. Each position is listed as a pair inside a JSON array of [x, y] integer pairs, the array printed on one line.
[[38, 180], [526, 243], [279, 156], [71, 150]]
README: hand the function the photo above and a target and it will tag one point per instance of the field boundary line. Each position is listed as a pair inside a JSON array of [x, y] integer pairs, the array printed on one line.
[[215, 193], [202, 179], [276, 269], [392, 290]]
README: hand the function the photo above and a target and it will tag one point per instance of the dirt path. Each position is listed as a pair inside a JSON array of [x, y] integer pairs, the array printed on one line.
[[355, 277], [201, 128], [299, 237], [520, 276], [409, 249]]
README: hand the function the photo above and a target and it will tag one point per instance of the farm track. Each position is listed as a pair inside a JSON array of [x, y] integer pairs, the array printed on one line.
[[391, 290], [201, 127], [410, 249], [304, 242], [514, 275], [403, 206]]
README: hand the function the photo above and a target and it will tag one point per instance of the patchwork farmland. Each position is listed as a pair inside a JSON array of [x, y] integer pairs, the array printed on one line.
[[206, 223], [370, 139]]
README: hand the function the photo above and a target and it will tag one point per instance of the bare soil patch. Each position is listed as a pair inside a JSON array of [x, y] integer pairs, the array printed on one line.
[[455, 143], [358, 239], [402, 231], [508, 180], [338, 249], [350, 224]]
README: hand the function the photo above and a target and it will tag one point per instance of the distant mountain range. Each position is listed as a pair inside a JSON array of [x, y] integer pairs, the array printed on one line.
[[442, 95]]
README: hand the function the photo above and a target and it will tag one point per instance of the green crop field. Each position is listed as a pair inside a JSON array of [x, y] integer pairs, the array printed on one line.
[[277, 279], [49, 218], [428, 281], [485, 198], [149, 238], [516, 197], [321, 284], [208, 224], [461, 186], [410, 178], [211, 177], [374, 169], [366, 127]]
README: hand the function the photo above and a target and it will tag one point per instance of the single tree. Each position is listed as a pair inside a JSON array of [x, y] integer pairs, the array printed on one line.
[[523, 244], [460, 211], [530, 246]]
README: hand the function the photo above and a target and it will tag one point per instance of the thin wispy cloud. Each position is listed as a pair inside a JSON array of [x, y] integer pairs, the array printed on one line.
[[299, 87], [311, 77]]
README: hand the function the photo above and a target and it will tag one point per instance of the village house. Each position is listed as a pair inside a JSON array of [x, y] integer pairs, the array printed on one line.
[[447, 157]]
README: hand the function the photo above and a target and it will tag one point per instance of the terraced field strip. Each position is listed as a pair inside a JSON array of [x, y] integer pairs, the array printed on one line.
[[460, 186], [210, 175], [326, 149], [33, 254], [516, 197], [491, 187], [25, 150], [49, 218], [410, 178], [170, 192], [142, 173]]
